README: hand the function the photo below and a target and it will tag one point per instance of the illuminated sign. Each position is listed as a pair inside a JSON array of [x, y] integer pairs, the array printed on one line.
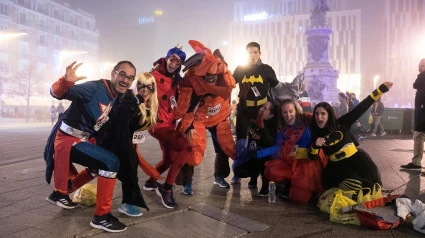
[[256, 16], [144, 20]]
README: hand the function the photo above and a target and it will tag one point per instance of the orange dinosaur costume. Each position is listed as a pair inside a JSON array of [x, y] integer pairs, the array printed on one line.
[[203, 105]]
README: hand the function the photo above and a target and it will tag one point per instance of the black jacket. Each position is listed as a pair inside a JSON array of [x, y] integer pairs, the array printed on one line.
[[419, 85], [116, 136]]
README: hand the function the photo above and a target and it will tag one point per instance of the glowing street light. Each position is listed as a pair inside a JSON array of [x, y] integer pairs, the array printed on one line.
[[86, 69], [5, 36], [158, 12], [255, 17], [375, 80], [241, 56], [64, 54]]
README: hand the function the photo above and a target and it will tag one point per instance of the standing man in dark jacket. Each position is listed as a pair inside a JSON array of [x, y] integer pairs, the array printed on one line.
[[255, 80], [419, 130], [377, 111]]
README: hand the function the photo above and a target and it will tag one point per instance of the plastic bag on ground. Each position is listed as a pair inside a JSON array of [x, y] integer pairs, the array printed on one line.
[[86, 195]]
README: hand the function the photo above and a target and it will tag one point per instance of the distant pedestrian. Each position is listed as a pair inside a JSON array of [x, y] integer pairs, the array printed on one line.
[[343, 106], [419, 130], [377, 111], [60, 109], [53, 114]]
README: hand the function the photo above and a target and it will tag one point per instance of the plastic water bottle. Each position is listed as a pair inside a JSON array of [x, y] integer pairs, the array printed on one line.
[[272, 192]]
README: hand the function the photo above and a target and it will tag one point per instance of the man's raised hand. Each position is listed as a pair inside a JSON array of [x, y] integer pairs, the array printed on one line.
[[70, 74]]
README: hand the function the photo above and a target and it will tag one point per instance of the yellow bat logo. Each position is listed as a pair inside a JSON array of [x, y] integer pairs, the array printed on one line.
[[252, 79], [333, 138]]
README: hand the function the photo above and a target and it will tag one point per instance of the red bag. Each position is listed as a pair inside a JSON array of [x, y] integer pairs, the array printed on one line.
[[376, 215]]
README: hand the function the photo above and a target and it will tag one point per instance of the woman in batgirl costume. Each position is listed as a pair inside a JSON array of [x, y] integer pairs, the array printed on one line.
[[349, 168]]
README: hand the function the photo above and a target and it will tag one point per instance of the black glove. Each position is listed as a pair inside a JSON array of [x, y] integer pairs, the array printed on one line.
[[130, 99], [127, 103]]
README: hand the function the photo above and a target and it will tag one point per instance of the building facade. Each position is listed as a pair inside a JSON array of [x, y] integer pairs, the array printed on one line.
[[55, 35]]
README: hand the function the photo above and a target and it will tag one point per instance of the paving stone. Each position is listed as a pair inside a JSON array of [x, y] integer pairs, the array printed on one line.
[[33, 233], [343, 231], [405, 230], [66, 226], [301, 224], [186, 224]]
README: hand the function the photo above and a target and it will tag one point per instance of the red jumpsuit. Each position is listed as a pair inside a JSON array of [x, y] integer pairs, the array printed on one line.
[[175, 149], [211, 108]]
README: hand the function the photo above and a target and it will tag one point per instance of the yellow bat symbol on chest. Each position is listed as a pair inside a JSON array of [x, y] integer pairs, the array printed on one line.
[[252, 79]]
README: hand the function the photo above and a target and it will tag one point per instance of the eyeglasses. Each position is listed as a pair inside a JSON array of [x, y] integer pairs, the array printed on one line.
[[149, 87], [174, 59], [122, 74]]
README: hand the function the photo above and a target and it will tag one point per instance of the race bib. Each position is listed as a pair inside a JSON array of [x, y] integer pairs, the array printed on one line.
[[173, 102], [255, 91], [214, 110], [294, 150], [139, 137]]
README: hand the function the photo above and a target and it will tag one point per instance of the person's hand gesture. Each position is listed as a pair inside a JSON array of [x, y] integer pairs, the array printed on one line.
[[70, 75], [388, 85], [320, 141]]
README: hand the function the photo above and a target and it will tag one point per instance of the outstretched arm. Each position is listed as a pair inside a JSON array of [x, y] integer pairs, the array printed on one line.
[[271, 150]]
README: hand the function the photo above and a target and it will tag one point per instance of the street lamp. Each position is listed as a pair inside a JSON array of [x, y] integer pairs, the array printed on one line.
[[64, 54], [6, 36], [375, 80]]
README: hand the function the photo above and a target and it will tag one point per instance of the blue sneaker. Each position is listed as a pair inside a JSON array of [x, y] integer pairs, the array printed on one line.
[[236, 180], [221, 182], [167, 197], [187, 188], [129, 210]]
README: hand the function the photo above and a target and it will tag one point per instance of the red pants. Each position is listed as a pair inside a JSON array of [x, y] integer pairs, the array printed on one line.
[[305, 176], [175, 151], [64, 170]]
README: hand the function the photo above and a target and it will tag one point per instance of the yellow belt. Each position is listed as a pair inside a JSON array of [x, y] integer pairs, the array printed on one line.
[[251, 103], [345, 152], [302, 153]]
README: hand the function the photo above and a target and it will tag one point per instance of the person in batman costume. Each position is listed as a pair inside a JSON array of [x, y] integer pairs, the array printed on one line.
[[255, 81], [349, 168]]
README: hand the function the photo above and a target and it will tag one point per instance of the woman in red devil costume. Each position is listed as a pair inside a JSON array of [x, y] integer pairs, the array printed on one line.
[[175, 148]]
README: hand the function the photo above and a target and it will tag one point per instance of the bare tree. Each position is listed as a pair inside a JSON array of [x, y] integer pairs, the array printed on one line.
[[25, 85]]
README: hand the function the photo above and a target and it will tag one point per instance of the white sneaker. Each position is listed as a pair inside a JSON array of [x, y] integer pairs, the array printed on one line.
[[383, 133], [373, 134]]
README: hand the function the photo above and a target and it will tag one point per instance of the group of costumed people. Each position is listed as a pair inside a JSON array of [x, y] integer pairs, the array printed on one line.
[[108, 119]]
